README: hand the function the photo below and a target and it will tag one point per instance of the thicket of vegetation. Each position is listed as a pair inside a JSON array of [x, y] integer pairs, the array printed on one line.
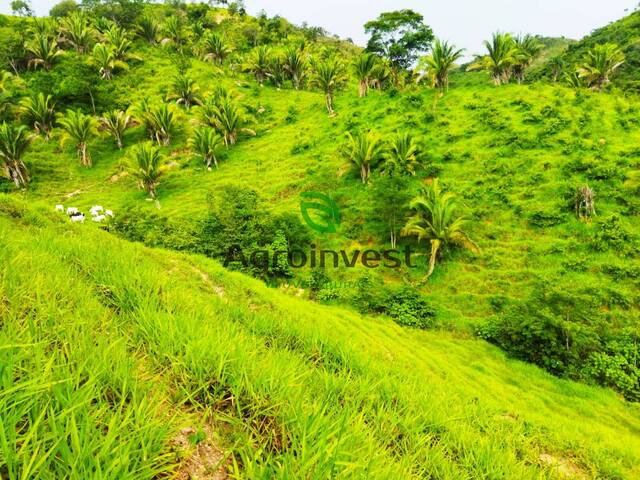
[[201, 126]]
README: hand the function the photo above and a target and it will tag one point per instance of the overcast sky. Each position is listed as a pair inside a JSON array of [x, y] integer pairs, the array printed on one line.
[[466, 23]]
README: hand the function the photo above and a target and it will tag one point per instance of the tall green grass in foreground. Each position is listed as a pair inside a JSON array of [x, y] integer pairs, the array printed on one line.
[[108, 349]]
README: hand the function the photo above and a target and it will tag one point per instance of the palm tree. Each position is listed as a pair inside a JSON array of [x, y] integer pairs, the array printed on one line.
[[500, 58], [43, 51], [38, 111], [118, 39], [215, 48], [402, 155], [116, 123], [439, 63], [380, 75], [328, 76], [79, 128], [364, 150], [185, 92], [556, 64], [276, 71], [600, 63], [435, 220], [76, 31], [160, 122], [258, 63], [527, 48], [174, 31], [227, 118], [104, 58], [149, 29], [205, 142], [363, 67], [14, 141], [147, 167], [295, 65]]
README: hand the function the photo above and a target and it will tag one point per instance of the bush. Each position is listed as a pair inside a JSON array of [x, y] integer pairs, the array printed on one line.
[[409, 308]]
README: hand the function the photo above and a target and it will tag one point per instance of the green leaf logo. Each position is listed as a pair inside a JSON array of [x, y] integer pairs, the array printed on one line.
[[326, 210]]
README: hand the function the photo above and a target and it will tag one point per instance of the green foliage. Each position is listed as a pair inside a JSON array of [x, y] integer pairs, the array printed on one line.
[[439, 63], [399, 36], [600, 64], [205, 142], [146, 167], [409, 308], [13, 145], [116, 122], [79, 128], [365, 150], [63, 8], [38, 112]]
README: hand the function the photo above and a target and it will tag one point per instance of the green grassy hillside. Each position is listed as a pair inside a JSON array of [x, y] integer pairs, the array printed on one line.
[[623, 33], [127, 350], [279, 386]]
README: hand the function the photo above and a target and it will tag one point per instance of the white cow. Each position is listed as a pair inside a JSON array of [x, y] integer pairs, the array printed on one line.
[[77, 218], [59, 208], [72, 211], [95, 210], [108, 213], [98, 218]]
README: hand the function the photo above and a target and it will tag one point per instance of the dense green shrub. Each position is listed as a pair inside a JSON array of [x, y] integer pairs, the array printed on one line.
[[409, 308]]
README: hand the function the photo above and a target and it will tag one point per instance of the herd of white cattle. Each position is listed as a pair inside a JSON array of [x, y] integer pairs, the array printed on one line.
[[98, 214]]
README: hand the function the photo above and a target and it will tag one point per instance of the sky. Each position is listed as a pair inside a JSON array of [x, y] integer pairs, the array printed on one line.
[[465, 23]]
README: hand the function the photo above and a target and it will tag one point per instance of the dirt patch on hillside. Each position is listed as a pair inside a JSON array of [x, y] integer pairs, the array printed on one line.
[[202, 459]]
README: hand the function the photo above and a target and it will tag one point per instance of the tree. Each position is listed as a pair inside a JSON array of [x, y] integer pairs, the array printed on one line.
[[600, 63], [226, 117], [328, 76], [185, 91], [258, 63], [118, 39], [391, 195], [42, 51], [174, 31], [22, 8], [363, 67], [439, 63], [149, 29], [557, 65], [13, 144], [63, 8], [215, 48], [399, 36], [159, 121], [205, 142], [76, 31], [364, 150], [146, 167], [116, 123], [79, 128], [435, 219], [527, 48], [401, 157], [500, 58], [38, 111], [295, 66], [104, 58]]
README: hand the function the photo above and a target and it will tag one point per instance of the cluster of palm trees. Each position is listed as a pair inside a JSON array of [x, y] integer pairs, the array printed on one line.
[[599, 64], [508, 57], [366, 151]]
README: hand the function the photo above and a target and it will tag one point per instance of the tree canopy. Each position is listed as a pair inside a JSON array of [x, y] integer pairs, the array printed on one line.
[[401, 36]]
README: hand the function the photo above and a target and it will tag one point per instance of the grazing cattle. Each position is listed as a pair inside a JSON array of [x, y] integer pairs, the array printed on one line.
[[59, 208], [72, 211], [95, 210], [108, 213], [98, 218], [79, 218]]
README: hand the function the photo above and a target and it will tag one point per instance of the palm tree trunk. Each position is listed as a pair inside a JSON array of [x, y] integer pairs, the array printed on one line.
[[364, 88], [329, 99], [435, 247]]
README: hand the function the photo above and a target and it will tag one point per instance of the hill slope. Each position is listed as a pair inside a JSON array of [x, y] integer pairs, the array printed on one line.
[[290, 388], [626, 34]]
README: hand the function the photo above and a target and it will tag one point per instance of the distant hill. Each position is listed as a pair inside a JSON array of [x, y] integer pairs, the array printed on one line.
[[625, 33]]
